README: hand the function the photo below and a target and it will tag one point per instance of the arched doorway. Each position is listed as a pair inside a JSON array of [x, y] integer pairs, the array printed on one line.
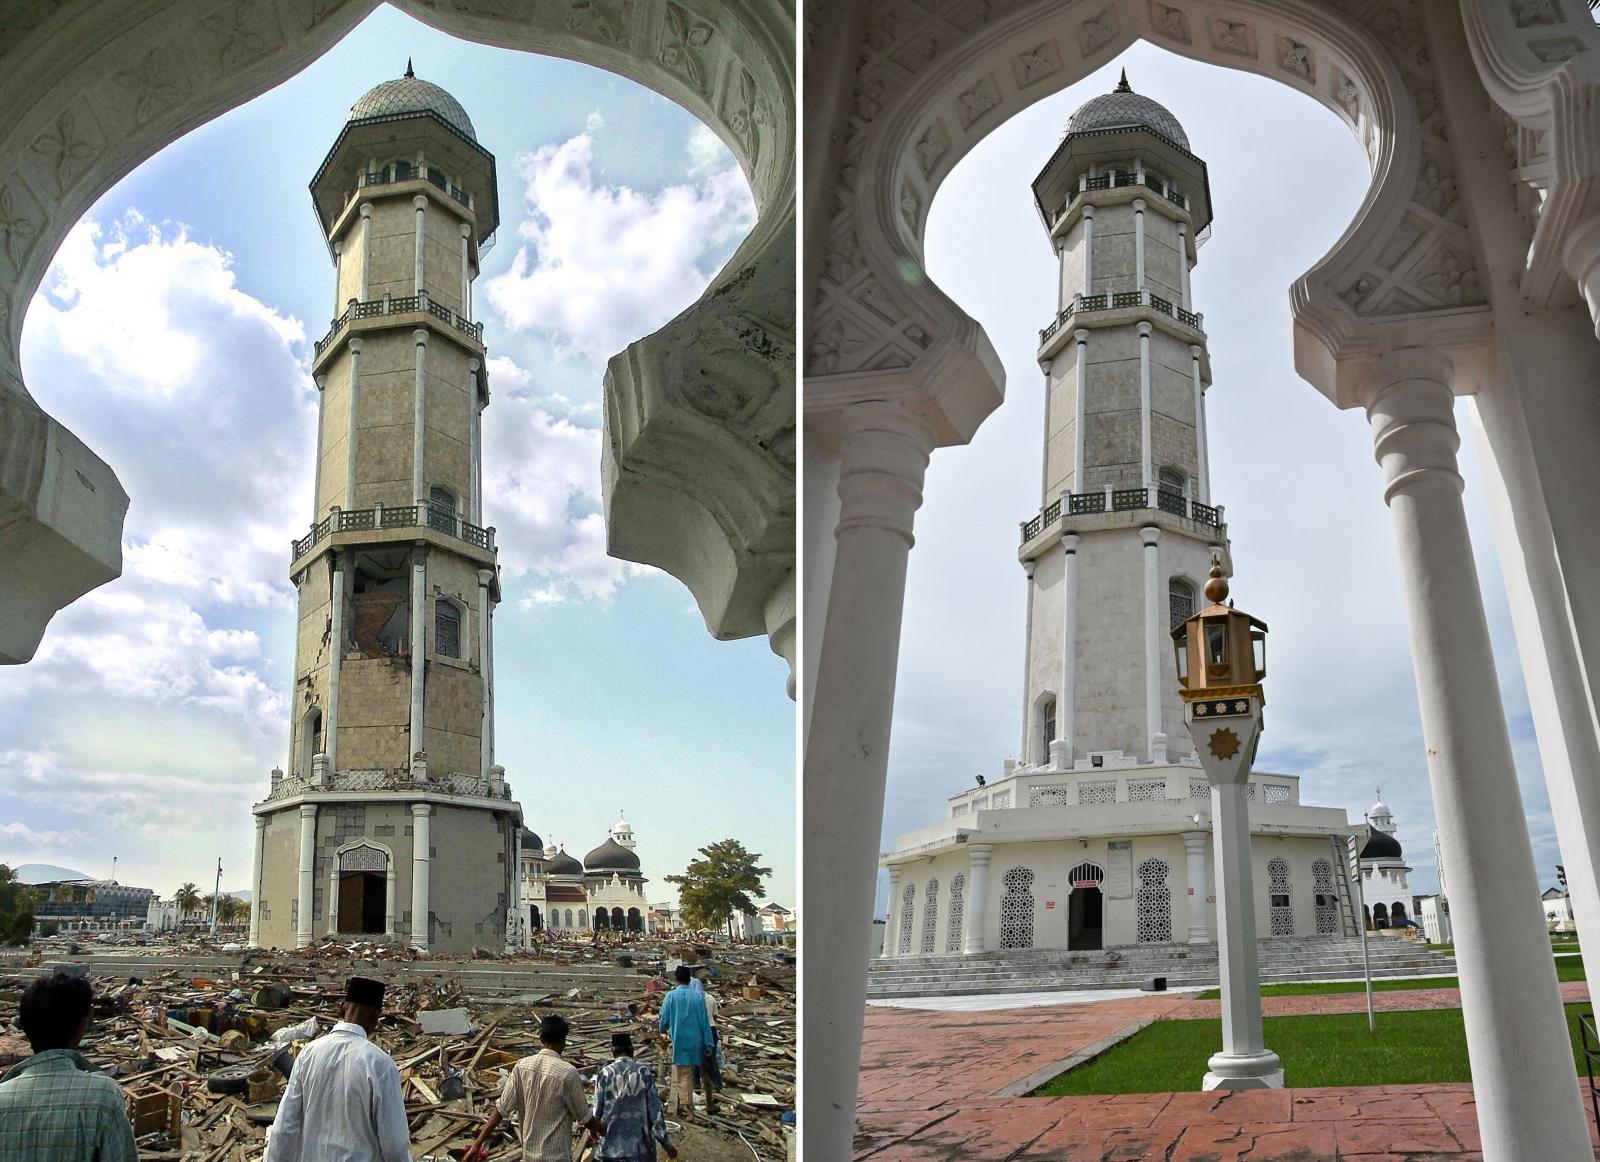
[[602, 920], [1397, 915], [619, 922], [635, 920], [363, 891], [1380, 916], [535, 920], [1085, 907]]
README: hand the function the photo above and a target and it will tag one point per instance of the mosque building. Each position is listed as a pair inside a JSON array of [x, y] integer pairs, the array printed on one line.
[[605, 892], [1385, 883], [1100, 835]]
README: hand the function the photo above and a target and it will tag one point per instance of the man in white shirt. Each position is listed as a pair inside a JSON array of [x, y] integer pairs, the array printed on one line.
[[343, 1102]]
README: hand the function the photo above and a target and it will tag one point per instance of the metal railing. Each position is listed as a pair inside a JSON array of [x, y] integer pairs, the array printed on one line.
[[1082, 304], [398, 306], [403, 172], [1155, 496], [1591, 1051], [405, 516], [1119, 180], [398, 779]]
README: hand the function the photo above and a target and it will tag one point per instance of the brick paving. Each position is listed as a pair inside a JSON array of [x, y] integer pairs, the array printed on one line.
[[936, 1085]]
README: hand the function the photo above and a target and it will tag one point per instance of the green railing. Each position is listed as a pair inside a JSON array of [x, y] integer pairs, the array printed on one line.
[[1120, 300], [1123, 500], [405, 516], [399, 306], [1120, 180]]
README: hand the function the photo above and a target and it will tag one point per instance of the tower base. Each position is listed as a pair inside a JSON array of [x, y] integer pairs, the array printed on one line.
[[1256, 1071]]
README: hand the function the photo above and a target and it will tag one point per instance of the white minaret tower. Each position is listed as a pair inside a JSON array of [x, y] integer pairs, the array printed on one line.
[[622, 832], [1127, 528]]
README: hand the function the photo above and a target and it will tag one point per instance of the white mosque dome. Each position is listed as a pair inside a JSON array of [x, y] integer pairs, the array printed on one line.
[[408, 94]]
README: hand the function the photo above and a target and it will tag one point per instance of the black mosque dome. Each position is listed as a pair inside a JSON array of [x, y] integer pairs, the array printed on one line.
[[564, 865], [1381, 845], [408, 94], [611, 856], [531, 841], [1122, 108]]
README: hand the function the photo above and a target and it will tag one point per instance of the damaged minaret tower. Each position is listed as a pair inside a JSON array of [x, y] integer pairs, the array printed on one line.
[[393, 819]]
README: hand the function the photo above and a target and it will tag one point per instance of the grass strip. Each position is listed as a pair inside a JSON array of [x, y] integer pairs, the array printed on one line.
[[1568, 968]]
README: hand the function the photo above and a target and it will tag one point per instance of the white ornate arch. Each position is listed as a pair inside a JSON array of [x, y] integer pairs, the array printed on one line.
[[699, 450]]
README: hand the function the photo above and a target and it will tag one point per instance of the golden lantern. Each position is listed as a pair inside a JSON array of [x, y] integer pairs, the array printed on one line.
[[1221, 651]]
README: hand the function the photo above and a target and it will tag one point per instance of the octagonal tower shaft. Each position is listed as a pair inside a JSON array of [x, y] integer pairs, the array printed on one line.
[[1127, 524]]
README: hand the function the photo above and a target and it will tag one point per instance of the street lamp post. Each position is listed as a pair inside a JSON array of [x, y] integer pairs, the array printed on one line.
[[1222, 657]]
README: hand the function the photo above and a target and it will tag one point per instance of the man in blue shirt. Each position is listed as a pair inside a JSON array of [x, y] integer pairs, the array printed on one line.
[[683, 1018], [625, 1099]]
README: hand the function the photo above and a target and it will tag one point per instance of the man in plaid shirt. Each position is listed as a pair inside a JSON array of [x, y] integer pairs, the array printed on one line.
[[544, 1095], [55, 1106]]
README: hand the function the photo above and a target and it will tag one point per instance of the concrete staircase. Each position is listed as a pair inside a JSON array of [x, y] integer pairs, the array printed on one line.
[[1305, 958]]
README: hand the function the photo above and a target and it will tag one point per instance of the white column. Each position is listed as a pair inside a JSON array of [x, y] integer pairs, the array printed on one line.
[[1067, 700], [466, 270], [486, 756], [1580, 254], [419, 419], [1527, 1096], [1088, 250], [255, 882], [1082, 411], [330, 740], [1138, 243], [1144, 405], [338, 269], [332, 910], [883, 458], [1183, 266], [488, 659], [1245, 1062], [306, 887], [1202, 485], [366, 249], [1154, 624], [420, 863], [316, 471], [977, 897], [891, 919], [419, 637], [1028, 568], [388, 897], [475, 449], [1194, 858], [353, 428], [420, 205]]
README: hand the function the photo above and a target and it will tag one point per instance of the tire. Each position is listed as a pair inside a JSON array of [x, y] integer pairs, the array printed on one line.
[[232, 1079]]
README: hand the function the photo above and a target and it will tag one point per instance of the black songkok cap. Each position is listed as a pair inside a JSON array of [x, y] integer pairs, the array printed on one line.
[[364, 990], [622, 1043]]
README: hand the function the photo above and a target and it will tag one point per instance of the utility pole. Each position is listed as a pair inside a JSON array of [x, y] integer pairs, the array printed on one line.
[[215, 893]]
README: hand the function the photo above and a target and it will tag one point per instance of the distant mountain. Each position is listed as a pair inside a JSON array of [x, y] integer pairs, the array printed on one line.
[[44, 873]]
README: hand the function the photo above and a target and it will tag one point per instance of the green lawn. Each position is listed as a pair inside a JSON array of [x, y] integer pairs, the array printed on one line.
[[1567, 968], [1407, 1049]]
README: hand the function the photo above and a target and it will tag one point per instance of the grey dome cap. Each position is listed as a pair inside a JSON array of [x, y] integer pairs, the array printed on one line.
[[1122, 108], [611, 856], [564, 865], [1381, 845], [407, 94]]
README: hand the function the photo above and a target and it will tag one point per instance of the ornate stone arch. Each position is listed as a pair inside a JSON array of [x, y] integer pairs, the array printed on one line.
[[361, 855]]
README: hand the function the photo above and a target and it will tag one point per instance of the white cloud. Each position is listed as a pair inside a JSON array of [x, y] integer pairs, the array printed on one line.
[[604, 265], [20, 835]]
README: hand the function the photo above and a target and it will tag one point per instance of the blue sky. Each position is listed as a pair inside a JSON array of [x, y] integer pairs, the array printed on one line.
[[174, 334], [1313, 545]]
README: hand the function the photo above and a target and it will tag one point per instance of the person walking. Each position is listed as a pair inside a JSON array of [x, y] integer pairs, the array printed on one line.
[[625, 1099], [55, 1106], [683, 1018], [544, 1095], [343, 1102], [710, 1074]]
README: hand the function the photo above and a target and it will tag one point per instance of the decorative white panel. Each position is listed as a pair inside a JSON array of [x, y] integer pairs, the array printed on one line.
[[1001, 801], [907, 900], [1154, 903], [366, 859], [1274, 793], [1016, 909], [1280, 898], [1327, 898], [1057, 796], [958, 809], [930, 917], [1199, 789], [1097, 792], [1146, 790], [958, 913]]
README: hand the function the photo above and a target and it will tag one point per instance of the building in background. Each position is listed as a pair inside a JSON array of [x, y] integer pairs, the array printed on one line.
[[90, 906], [1558, 911], [605, 892], [1385, 875]]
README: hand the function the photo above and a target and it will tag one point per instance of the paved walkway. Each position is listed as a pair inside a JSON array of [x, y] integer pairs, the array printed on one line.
[[926, 1095]]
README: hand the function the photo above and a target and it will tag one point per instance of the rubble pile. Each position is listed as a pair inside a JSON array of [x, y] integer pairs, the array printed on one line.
[[203, 1059]]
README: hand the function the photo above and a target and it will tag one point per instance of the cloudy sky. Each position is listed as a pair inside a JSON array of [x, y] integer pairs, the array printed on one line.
[[1313, 546], [173, 334]]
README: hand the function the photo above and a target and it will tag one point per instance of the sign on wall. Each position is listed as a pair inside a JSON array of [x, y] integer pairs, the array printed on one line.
[[1119, 871]]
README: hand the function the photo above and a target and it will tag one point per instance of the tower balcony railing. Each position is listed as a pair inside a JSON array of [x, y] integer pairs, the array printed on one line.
[[404, 516], [397, 779], [1083, 304], [1119, 179], [391, 305], [1156, 496], [404, 172]]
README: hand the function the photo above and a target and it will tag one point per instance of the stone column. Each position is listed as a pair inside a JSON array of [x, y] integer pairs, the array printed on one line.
[[1082, 410], [316, 469], [330, 743], [332, 910], [1528, 1102], [420, 863], [466, 270], [419, 637], [1138, 243], [891, 917], [338, 269], [1088, 250], [1580, 254], [1154, 624], [306, 898], [474, 503], [1183, 266], [419, 421], [388, 897], [1245, 1062], [1067, 700], [486, 749], [420, 205], [255, 882], [1028, 567], [488, 675], [977, 897], [883, 458], [1144, 405], [351, 437], [1203, 484], [1194, 858], [366, 249]]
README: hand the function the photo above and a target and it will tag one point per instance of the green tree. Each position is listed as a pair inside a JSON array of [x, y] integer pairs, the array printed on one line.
[[188, 899], [713, 889], [16, 908]]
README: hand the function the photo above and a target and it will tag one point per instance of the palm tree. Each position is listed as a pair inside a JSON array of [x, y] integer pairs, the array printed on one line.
[[188, 899], [228, 910]]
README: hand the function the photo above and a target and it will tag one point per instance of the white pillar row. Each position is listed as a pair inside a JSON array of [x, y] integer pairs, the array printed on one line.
[[421, 862], [1028, 568], [977, 906], [419, 637], [1082, 411], [884, 452], [475, 449], [1194, 857], [486, 756], [419, 420], [420, 205], [330, 741], [1067, 700], [1144, 405], [891, 920], [1154, 623], [1203, 485], [306, 888], [1516, 1030], [316, 470], [352, 429], [366, 249], [466, 270], [1138, 243], [1183, 267], [255, 882]]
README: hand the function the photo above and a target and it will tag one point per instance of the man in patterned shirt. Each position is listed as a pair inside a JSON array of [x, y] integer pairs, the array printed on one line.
[[55, 1106], [544, 1094], [625, 1099]]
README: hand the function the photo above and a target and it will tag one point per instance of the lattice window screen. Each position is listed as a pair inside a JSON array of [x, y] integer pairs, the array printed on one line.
[[1154, 903], [1097, 792], [1050, 797], [958, 809], [364, 859], [447, 630], [908, 899], [958, 913], [1274, 793], [1001, 801], [1016, 909], [1280, 897], [930, 917], [1199, 789], [1180, 601], [1327, 899], [1250, 792], [1146, 790]]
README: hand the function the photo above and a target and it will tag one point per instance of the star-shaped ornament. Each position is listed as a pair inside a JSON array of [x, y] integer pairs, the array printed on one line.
[[1240, 707], [1224, 743], [1202, 708]]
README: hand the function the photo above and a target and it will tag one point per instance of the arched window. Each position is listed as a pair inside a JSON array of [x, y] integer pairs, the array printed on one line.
[[1154, 903], [1171, 479], [446, 629], [930, 916], [569, 917], [907, 900], [1016, 909], [442, 509], [310, 740], [1180, 601], [1049, 726], [441, 497], [958, 913], [618, 920], [583, 917], [1280, 898], [1327, 901]]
